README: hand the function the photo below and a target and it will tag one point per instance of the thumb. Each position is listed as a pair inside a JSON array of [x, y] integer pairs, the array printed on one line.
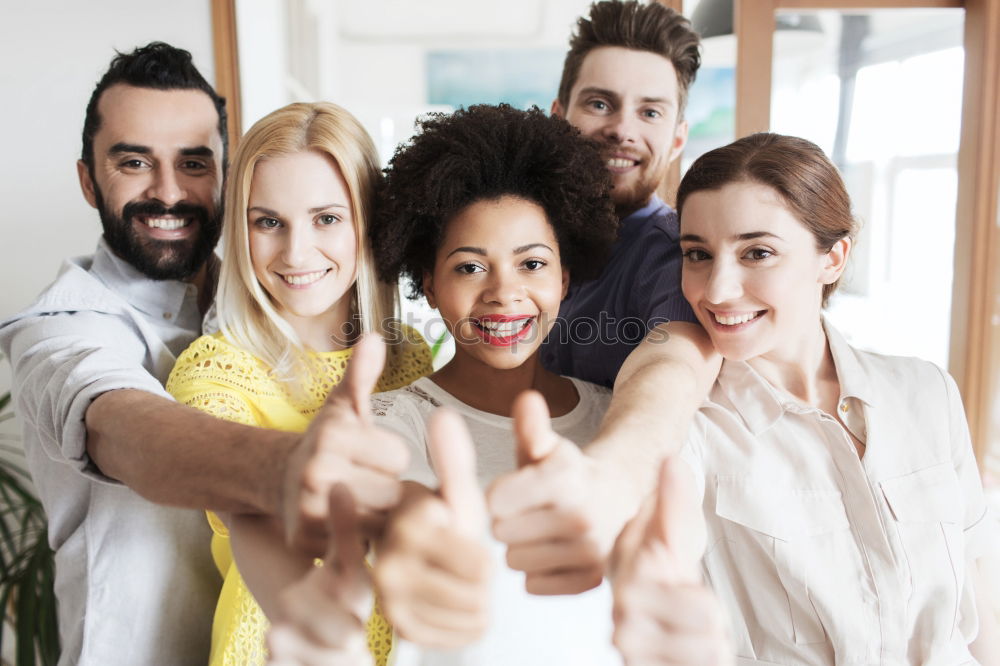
[[677, 523], [345, 554], [454, 461], [363, 372], [532, 428]]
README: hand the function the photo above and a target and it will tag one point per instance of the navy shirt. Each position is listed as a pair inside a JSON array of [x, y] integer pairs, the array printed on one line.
[[603, 320]]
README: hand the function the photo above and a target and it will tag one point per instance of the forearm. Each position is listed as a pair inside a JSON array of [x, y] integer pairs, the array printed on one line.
[[176, 455], [657, 393], [267, 566]]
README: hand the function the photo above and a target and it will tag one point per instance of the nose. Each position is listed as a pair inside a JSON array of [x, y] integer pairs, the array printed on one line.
[[166, 186], [620, 127], [503, 288], [297, 246], [725, 283]]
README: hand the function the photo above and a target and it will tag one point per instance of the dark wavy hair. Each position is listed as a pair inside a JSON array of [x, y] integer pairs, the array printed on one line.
[[483, 153], [156, 65]]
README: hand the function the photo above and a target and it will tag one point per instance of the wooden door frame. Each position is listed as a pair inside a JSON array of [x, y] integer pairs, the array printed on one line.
[[227, 65]]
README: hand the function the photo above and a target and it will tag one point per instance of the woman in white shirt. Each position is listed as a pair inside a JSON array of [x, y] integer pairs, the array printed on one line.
[[845, 518]]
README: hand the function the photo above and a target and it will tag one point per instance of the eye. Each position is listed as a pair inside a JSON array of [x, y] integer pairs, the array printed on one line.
[[132, 164], [534, 264], [193, 165], [327, 219], [695, 255], [469, 268], [266, 223], [652, 114], [598, 105], [758, 254]]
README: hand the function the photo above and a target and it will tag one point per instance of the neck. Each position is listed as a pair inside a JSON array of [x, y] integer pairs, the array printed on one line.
[[329, 331], [465, 377], [805, 370]]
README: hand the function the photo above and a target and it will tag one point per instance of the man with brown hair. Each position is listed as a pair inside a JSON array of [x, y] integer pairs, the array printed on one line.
[[624, 84]]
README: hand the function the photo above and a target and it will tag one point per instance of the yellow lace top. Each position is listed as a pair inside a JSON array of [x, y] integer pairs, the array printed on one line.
[[226, 381]]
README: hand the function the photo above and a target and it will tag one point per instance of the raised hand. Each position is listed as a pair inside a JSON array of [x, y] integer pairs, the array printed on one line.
[[433, 568], [342, 445], [323, 615], [560, 512], [663, 613]]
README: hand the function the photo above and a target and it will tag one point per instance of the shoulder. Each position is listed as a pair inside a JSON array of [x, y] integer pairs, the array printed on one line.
[[592, 396], [901, 375], [409, 358], [213, 359], [409, 399]]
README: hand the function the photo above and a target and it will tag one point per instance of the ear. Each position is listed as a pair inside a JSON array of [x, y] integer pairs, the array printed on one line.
[[427, 284], [86, 183], [835, 261], [556, 109], [680, 139], [565, 283]]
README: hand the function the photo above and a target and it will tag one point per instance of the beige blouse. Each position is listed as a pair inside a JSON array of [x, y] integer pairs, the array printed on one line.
[[823, 557]]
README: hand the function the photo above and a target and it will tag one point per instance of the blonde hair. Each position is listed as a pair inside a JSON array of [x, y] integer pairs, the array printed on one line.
[[247, 315]]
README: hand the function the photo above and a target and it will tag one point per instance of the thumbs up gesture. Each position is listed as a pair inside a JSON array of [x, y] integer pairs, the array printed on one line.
[[663, 613], [560, 512], [324, 614], [433, 567], [342, 445]]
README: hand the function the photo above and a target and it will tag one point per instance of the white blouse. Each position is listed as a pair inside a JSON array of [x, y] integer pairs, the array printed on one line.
[[824, 557]]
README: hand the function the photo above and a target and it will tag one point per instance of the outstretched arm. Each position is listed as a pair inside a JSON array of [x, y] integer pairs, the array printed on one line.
[[657, 392], [587, 498], [174, 454]]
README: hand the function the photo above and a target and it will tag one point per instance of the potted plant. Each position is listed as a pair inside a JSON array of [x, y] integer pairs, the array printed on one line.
[[27, 564]]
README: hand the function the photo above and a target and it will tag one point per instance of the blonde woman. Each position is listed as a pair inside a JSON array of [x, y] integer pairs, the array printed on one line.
[[296, 291]]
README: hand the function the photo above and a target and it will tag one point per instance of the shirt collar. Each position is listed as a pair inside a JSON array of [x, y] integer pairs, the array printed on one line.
[[166, 299], [760, 405]]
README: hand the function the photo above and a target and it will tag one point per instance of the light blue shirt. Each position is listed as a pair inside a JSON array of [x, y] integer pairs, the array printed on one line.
[[134, 580]]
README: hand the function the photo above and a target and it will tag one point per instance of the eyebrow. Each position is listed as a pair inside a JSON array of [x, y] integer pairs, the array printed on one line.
[[610, 93], [482, 252], [750, 235], [312, 211], [122, 147]]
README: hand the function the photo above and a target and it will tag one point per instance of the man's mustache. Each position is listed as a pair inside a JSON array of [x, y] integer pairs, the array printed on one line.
[[156, 209]]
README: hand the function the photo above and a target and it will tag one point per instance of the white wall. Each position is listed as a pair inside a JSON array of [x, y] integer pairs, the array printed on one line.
[[53, 52]]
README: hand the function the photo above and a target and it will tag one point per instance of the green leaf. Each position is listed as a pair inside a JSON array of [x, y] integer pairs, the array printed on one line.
[[436, 347]]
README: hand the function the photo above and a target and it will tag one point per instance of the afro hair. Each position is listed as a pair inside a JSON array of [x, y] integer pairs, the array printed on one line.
[[483, 153]]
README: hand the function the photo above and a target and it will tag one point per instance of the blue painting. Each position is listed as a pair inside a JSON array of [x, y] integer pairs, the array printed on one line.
[[519, 77]]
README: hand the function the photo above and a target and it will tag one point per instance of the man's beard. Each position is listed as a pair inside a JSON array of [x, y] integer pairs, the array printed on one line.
[[634, 196], [161, 259]]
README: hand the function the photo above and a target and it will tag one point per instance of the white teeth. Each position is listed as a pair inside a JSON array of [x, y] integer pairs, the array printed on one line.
[[620, 163], [303, 278], [168, 223], [503, 329], [732, 320]]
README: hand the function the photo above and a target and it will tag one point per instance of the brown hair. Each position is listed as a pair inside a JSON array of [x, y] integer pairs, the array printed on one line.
[[796, 169], [639, 26]]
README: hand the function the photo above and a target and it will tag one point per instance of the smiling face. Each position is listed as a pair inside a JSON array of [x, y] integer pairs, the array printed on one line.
[[752, 272], [628, 101], [498, 281], [303, 245], [157, 178]]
